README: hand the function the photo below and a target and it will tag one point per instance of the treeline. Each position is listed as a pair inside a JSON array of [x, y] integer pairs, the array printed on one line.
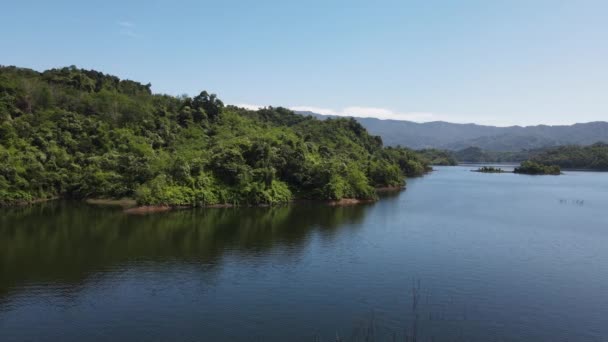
[[83, 134], [533, 168], [489, 169], [478, 155], [474, 155], [594, 157], [438, 157]]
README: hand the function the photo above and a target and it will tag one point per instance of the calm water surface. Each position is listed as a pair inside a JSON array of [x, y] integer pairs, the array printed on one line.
[[485, 257]]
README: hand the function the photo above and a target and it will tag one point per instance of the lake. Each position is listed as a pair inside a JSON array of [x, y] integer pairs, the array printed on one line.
[[458, 256]]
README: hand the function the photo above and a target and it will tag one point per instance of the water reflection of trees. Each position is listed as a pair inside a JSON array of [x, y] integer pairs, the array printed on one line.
[[65, 242]]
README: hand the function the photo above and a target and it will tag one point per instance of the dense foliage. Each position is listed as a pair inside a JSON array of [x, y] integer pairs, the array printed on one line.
[[533, 168], [594, 157], [490, 169], [78, 133], [438, 157], [477, 155]]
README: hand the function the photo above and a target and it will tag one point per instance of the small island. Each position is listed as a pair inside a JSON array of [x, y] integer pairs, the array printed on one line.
[[527, 167], [533, 168], [489, 169]]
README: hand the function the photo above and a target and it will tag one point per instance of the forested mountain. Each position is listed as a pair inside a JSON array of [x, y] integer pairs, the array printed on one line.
[[81, 133], [450, 136]]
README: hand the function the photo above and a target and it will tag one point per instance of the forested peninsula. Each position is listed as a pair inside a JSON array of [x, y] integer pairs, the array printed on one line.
[[73, 133], [593, 157], [568, 157]]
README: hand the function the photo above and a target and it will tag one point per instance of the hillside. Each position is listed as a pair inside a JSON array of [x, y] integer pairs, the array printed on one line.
[[594, 157], [450, 136], [477, 155], [72, 133]]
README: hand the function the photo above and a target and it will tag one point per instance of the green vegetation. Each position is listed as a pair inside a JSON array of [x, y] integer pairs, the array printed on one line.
[[533, 168], [594, 157], [438, 157], [490, 169], [75, 133], [477, 155]]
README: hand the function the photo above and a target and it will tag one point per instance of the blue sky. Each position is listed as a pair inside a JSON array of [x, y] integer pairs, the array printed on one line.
[[490, 62]]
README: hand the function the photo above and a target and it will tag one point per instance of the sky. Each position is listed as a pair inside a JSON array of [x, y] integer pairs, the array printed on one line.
[[489, 62]]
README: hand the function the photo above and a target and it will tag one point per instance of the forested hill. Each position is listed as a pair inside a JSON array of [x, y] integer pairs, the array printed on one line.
[[451, 136], [81, 134], [594, 157]]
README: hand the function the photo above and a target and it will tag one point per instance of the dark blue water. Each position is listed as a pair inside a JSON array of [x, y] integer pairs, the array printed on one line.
[[485, 257]]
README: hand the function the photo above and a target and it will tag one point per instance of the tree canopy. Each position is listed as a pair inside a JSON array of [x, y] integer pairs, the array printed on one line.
[[438, 157], [76, 133], [533, 168], [594, 157]]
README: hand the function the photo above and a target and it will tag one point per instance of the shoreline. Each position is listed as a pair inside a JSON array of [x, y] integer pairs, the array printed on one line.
[[130, 206], [123, 202], [502, 171], [344, 202], [26, 203], [148, 209], [393, 188]]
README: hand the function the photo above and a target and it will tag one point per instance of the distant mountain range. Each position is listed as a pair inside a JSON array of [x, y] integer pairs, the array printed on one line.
[[451, 136]]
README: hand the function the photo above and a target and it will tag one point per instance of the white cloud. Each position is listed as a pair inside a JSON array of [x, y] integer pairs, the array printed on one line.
[[127, 24], [370, 112], [324, 111], [388, 114], [127, 28], [249, 106]]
